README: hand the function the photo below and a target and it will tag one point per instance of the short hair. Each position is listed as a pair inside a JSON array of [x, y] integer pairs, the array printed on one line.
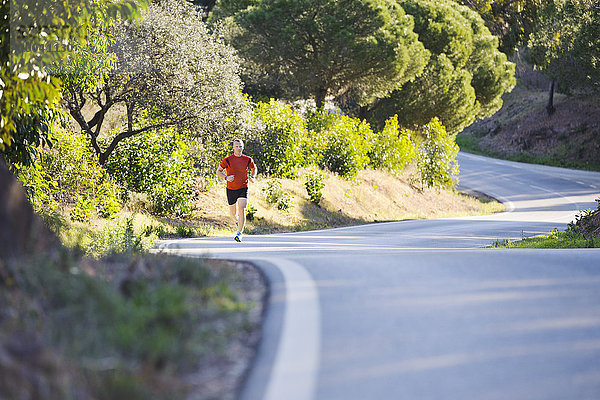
[[237, 140]]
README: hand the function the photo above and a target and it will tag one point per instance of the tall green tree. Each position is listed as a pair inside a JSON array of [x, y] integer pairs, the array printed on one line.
[[319, 48], [35, 35], [566, 45], [465, 77]]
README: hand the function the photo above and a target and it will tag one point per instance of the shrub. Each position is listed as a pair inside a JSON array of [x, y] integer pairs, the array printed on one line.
[[317, 123], [120, 238], [277, 196], [69, 173], [436, 156], [277, 146], [348, 142], [159, 164], [393, 147], [251, 212], [314, 184]]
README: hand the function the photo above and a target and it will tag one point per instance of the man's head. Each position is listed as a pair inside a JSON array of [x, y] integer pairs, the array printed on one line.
[[238, 146]]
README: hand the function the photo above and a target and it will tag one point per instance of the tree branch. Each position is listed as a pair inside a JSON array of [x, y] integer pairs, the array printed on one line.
[[129, 133]]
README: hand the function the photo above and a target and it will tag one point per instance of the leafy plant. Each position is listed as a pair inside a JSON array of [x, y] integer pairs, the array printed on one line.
[[69, 173], [348, 142], [314, 185], [278, 142], [436, 156], [277, 196], [157, 163], [393, 147], [251, 212]]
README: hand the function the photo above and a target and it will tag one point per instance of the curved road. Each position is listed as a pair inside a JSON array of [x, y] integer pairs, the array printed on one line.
[[417, 310]]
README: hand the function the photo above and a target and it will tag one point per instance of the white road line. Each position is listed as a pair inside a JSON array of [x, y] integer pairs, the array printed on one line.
[[294, 374]]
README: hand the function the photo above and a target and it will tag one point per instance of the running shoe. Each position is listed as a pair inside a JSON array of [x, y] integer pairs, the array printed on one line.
[[238, 237]]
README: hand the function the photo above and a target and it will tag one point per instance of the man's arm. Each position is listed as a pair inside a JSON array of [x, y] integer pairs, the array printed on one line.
[[221, 174], [253, 173]]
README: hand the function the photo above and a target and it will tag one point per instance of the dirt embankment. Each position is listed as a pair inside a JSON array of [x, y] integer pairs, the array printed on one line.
[[571, 133]]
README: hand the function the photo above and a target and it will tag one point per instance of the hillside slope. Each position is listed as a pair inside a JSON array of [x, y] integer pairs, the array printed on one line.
[[523, 131]]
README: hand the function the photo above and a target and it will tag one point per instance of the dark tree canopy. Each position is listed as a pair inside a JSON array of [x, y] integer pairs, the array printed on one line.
[[320, 48], [466, 74]]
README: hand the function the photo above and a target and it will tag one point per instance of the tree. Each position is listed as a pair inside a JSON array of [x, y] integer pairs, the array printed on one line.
[[511, 21], [464, 79], [34, 35], [168, 71], [566, 46], [320, 48]]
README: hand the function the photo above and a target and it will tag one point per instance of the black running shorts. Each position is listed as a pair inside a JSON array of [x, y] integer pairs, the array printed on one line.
[[233, 195]]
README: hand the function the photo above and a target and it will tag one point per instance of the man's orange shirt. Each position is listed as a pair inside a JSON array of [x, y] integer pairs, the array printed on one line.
[[238, 167]]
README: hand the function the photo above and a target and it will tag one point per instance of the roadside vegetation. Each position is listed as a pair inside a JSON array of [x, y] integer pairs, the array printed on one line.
[[583, 232]]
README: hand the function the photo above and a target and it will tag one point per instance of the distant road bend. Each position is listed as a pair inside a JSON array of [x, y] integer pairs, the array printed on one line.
[[417, 310]]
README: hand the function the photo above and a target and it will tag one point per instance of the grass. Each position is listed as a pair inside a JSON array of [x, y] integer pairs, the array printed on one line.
[[554, 240], [123, 327]]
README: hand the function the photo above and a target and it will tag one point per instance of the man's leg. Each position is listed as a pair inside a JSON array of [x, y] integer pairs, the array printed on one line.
[[241, 209], [232, 211]]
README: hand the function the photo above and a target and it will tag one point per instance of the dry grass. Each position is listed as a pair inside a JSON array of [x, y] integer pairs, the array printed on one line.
[[373, 196]]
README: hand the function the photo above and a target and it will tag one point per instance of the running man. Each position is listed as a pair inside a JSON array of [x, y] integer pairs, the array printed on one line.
[[234, 169]]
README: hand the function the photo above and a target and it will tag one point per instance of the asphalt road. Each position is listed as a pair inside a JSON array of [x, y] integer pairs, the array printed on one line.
[[417, 310]]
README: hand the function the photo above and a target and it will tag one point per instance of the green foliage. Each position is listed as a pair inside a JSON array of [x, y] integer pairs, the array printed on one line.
[[70, 174], [276, 196], [251, 212], [314, 48], [556, 239], [566, 43], [314, 185], [348, 142], [436, 156], [393, 147], [34, 37], [465, 77], [277, 147], [512, 21], [158, 163], [317, 123], [120, 238]]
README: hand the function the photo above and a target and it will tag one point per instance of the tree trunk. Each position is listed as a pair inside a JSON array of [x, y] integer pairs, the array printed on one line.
[[320, 98], [22, 232], [550, 106]]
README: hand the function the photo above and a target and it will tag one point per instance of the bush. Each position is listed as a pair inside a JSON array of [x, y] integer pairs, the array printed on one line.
[[69, 173], [314, 184], [317, 123], [159, 164], [277, 196], [393, 147], [278, 141], [121, 238], [436, 156], [251, 212], [348, 142]]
